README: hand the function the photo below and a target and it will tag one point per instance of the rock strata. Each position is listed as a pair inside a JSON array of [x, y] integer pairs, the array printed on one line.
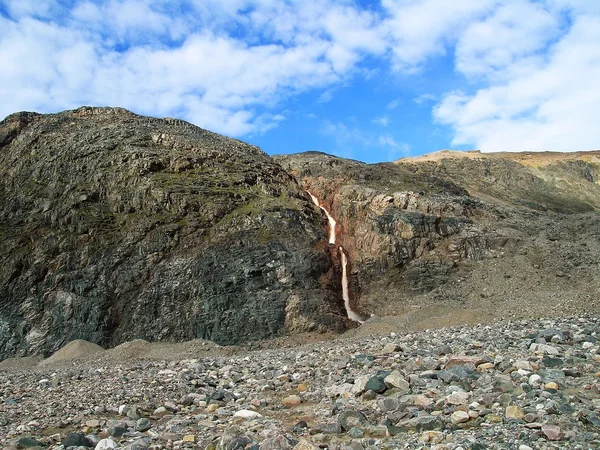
[[464, 237], [115, 226]]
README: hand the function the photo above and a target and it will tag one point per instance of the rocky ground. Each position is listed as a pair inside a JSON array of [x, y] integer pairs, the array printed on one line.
[[531, 384]]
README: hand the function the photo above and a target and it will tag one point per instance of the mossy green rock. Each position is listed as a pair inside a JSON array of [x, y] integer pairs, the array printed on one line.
[[115, 226]]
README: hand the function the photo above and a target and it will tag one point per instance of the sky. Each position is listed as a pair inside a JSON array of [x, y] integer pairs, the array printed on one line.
[[368, 80]]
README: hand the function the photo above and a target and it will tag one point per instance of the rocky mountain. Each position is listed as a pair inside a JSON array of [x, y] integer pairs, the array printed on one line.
[[115, 226], [461, 237]]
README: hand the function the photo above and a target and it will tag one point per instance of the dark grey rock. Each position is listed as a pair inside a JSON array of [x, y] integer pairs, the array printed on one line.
[[138, 444], [27, 442], [552, 362], [456, 373], [551, 374], [376, 384], [593, 419], [349, 419], [143, 424], [420, 423], [356, 432], [76, 440], [134, 210], [326, 428], [369, 395], [117, 431]]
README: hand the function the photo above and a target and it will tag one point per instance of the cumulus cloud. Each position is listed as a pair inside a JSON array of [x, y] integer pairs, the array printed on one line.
[[139, 55], [527, 68], [506, 41], [350, 136], [383, 121], [424, 98], [421, 29], [549, 106]]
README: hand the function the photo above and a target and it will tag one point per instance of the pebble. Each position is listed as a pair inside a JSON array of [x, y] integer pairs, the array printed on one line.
[[459, 417], [396, 380], [458, 398], [514, 412], [142, 424], [106, 444], [552, 432], [247, 414], [466, 387], [291, 401], [433, 437], [376, 385]]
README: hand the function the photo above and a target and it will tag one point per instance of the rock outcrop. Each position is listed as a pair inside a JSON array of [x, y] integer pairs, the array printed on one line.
[[115, 226], [465, 233]]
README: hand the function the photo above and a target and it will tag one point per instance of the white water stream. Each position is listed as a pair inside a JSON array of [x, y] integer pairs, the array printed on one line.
[[352, 315], [332, 222]]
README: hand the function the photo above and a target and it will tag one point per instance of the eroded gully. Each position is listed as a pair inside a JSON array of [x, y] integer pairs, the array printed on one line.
[[352, 315]]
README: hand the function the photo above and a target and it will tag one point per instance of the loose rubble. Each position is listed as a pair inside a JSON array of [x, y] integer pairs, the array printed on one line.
[[511, 385]]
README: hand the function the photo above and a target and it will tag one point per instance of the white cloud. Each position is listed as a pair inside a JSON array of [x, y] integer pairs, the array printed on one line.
[[553, 107], [424, 98], [23, 8], [394, 104], [221, 82], [382, 121], [422, 29], [527, 68], [513, 32]]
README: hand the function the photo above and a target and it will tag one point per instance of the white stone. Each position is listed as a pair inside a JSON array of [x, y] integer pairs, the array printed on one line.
[[543, 348], [123, 410], [523, 364], [160, 411], [396, 380], [247, 414], [106, 444], [458, 398], [459, 417], [360, 384], [534, 379]]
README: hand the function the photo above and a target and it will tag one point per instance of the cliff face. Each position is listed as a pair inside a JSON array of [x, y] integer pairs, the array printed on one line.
[[465, 236], [115, 226]]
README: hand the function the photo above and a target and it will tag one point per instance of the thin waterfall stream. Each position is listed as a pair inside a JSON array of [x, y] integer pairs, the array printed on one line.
[[352, 315]]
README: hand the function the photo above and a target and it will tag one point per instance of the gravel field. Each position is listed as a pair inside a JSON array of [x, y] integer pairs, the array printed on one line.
[[511, 385]]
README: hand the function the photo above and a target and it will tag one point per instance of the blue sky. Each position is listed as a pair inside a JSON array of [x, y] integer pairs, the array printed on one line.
[[369, 80]]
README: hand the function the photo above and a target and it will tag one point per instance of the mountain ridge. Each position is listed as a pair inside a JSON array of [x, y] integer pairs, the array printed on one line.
[[117, 226]]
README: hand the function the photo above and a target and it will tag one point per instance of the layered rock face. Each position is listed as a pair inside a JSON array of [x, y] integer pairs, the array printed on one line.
[[471, 234], [115, 226]]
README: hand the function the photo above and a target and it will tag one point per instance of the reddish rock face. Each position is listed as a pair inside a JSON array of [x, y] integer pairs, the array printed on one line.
[[464, 237]]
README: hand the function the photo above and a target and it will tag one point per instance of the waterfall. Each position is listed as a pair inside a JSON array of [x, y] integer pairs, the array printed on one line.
[[332, 222], [352, 315]]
